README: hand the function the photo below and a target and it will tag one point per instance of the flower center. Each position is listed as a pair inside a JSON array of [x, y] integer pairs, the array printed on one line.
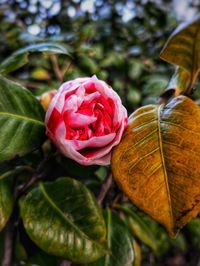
[[101, 110]]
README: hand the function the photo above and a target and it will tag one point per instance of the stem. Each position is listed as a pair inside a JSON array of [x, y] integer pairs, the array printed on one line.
[[9, 242], [104, 189], [56, 68], [39, 174], [34, 179], [66, 68]]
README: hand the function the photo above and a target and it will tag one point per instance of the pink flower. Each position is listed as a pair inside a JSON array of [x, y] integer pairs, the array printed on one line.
[[85, 120]]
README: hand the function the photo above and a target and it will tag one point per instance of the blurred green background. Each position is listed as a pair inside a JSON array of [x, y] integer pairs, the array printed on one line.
[[120, 42]]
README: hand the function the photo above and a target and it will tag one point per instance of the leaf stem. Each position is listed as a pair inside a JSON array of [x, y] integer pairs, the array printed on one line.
[[104, 189]]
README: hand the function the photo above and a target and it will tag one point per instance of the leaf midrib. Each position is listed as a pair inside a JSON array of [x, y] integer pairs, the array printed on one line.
[[163, 164], [20, 117], [54, 206]]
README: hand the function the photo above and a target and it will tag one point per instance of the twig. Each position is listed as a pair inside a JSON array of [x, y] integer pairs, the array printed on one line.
[[104, 189], [34, 179], [66, 68], [57, 71], [9, 242], [39, 175]]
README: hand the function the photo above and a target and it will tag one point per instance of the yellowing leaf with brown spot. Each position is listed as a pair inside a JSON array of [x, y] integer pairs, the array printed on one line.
[[157, 163]]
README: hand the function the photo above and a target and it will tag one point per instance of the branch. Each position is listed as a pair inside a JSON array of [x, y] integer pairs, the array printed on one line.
[[39, 175], [66, 68], [57, 71], [34, 179], [104, 189], [9, 242]]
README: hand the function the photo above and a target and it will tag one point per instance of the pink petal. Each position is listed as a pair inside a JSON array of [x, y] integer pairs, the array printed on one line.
[[54, 121], [78, 120], [93, 142]]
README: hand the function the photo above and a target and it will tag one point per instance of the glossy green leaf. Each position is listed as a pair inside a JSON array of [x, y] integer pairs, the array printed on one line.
[[183, 49], [64, 219], [20, 57], [160, 241], [21, 120], [6, 197], [13, 62], [139, 228], [120, 243]]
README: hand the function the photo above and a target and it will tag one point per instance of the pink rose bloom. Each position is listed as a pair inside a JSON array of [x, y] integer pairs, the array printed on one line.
[[85, 120]]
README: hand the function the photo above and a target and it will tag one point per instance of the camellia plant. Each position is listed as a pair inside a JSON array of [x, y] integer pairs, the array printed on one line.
[[48, 195]]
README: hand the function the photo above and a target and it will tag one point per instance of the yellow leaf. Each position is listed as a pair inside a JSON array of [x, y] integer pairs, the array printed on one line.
[[157, 162], [183, 50]]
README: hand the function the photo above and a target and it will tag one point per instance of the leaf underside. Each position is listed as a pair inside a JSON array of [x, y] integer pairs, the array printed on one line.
[[63, 219], [157, 162], [21, 120]]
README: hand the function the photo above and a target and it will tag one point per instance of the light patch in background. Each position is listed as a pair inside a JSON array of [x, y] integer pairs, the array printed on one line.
[[55, 8], [34, 29], [128, 12], [87, 6], [71, 11], [46, 3], [183, 10]]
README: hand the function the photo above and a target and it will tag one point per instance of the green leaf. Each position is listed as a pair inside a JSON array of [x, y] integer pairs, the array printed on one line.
[[183, 49], [13, 62], [136, 68], [194, 231], [6, 197], [139, 228], [64, 219], [154, 85], [21, 120], [179, 242], [119, 241], [20, 57]]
